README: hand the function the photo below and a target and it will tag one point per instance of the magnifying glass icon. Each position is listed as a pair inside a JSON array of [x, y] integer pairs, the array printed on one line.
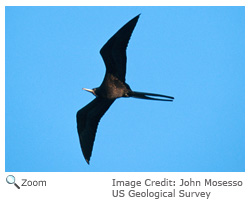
[[11, 180]]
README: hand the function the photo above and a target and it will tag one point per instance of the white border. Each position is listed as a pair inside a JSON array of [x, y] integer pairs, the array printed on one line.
[[98, 186]]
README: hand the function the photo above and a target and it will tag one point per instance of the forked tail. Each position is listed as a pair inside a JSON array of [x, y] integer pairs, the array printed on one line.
[[145, 95]]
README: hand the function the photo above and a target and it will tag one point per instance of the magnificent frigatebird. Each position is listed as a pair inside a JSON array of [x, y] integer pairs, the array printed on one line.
[[112, 87]]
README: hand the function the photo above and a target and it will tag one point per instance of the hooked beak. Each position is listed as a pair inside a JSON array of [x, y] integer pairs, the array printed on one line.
[[88, 90]]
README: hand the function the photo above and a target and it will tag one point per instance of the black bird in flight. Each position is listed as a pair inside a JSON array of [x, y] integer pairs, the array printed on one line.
[[112, 87]]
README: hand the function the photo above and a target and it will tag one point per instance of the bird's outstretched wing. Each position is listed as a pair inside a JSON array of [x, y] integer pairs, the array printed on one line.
[[87, 122], [114, 51]]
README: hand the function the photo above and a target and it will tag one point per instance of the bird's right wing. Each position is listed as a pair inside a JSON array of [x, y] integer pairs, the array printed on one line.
[[114, 51], [87, 122]]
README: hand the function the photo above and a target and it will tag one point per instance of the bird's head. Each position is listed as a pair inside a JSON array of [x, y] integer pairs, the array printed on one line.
[[93, 91]]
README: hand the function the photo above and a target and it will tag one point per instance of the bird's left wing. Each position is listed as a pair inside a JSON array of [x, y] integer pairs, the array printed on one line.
[[87, 122], [114, 51]]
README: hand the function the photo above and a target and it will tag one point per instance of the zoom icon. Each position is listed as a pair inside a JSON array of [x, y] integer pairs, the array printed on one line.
[[10, 179]]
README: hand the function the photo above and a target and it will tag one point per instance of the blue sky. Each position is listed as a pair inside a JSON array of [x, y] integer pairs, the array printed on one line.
[[196, 54]]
